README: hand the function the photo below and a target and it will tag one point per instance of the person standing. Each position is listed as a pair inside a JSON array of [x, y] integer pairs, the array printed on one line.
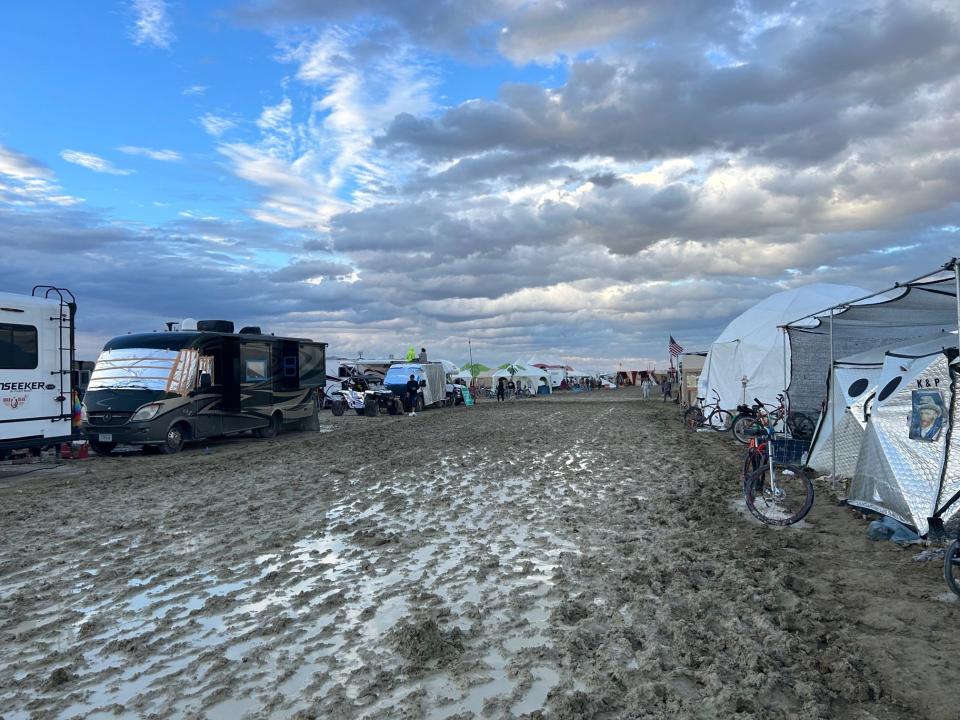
[[423, 355], [646, 387], [501, 390], [512, 388], [666, 388], [413, 394]]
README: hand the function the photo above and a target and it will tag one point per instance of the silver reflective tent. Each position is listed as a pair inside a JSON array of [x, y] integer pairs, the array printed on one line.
[[907, 467]]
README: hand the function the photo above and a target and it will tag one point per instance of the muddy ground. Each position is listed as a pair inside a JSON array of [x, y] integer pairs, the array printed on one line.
[[571, 557]]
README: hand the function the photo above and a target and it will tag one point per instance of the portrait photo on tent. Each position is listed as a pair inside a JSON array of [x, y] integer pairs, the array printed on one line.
[[926, 419]]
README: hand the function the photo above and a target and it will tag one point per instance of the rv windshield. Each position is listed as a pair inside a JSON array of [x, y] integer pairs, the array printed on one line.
[[172, 371]]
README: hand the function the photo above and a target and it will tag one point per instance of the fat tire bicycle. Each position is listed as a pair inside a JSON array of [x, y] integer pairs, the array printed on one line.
[[951, 566], [712, 416], [776, 493]]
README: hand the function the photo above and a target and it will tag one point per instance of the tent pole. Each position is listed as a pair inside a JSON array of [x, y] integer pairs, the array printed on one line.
[[956, 277], [785, 383], [833, 415]]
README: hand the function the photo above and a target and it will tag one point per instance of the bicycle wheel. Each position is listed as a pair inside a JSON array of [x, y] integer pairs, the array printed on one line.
[[721, 420], [785, 505], [746, 427], [800, 426], [693, 418], [951, 567]]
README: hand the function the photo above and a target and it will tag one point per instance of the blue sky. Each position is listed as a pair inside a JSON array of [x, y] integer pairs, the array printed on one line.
[[576, 178]]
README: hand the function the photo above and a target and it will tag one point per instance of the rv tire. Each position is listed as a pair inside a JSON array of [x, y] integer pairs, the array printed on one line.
[[102, 448], [175, 438], [271, 430], [336, 407]]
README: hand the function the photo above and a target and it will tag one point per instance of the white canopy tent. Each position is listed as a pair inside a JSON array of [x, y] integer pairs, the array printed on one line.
[[750, 357], [555, 368], [531, 377]]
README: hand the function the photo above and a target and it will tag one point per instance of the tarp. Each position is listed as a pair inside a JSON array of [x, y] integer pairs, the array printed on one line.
[[747, 358]]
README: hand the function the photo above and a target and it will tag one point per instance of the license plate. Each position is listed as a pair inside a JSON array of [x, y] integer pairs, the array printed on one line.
[[105, 437]]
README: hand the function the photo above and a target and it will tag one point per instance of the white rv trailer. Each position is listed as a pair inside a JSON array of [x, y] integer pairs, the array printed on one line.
[[36, 356]]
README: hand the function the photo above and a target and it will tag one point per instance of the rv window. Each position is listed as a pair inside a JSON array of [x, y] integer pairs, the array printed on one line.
[[18, 347], [256, 364]]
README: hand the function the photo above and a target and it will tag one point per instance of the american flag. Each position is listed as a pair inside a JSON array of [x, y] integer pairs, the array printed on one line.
[[675, 348]]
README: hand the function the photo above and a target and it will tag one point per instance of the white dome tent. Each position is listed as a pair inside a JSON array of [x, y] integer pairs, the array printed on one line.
[[750, 358]]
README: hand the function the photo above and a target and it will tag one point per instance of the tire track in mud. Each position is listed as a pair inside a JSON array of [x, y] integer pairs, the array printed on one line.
[[573, 557]]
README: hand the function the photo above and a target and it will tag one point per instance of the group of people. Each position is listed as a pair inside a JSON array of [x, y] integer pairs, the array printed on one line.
[[666, 388], [507, 388]]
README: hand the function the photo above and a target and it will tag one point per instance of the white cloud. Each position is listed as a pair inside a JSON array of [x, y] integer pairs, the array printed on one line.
[[153, 25], [92, 162], [25, 182], [216, 125], [318, 158], [195, 90], [161, 155]]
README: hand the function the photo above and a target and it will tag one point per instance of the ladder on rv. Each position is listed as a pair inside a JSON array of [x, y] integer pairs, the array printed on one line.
[[64, 320]]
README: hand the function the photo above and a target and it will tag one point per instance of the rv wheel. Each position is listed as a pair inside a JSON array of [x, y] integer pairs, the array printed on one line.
[[174, 440], [271, 430], [336, 407], [102, 448]]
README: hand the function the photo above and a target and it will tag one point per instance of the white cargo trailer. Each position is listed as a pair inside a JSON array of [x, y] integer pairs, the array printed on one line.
[[36, 356]]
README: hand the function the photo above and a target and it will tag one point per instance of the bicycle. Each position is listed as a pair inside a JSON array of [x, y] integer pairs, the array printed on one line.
[[751, 421], [776, 493], [717, 418], [951, 566]]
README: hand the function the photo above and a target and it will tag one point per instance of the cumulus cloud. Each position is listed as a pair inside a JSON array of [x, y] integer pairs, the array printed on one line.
[[152, 25], [161, 155], [92, 162]]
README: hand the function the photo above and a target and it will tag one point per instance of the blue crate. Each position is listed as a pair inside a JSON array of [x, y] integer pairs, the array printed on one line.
[[789, 451]]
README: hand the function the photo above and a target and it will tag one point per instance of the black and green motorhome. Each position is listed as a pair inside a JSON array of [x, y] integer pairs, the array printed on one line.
[[163, 389]]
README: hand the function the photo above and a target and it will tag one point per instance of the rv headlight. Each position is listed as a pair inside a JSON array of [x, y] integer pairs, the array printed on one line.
[[147, 412]]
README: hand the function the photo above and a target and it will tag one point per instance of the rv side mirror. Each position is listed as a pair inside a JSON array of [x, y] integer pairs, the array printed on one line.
[[205, 381], [423, 383]]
